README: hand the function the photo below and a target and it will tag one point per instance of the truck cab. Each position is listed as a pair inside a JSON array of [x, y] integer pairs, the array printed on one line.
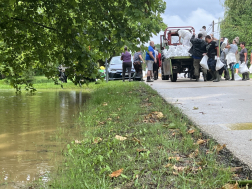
[[178, 64]]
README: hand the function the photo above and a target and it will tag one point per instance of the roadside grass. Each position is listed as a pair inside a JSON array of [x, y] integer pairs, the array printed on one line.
[[156, 146]]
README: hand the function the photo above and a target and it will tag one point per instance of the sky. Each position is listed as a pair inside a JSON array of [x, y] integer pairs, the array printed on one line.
[[195, 13]]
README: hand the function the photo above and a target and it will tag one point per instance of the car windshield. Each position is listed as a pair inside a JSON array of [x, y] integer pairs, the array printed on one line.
[[116, 60]]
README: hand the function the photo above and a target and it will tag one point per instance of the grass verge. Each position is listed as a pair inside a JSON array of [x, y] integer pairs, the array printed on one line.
[[129, 128], [41, 82]]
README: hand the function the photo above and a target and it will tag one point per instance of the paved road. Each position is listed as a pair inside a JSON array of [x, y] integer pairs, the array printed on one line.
[[224, 110]]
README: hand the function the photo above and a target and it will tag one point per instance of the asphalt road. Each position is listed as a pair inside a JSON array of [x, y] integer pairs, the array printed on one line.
[[222, 109]]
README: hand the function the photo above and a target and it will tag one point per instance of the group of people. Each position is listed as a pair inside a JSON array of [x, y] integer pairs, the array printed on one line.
[[202, 45], [229, 56], [153, 62]]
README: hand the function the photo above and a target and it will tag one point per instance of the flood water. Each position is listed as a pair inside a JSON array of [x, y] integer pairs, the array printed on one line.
[[33, 131]]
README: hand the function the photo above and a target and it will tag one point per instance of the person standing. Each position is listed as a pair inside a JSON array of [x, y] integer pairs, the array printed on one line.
[[197, 50], [243, 58], [127, 64], [231, 56], [150, 59], [212, 51], [138, 64], [225, 67], [186, 36], [203, 32]]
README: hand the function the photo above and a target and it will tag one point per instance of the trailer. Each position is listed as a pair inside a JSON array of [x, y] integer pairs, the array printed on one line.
[[179, 64]]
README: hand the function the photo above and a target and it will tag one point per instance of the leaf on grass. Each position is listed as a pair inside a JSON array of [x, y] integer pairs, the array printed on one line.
[[145, 121], [208, 152], [105, 104], [141, 150], [168, 165], [195, 108], [175, 173], [119, 109], [97, 140], [137, 140], [196, 169], [109, 119], [200, 141], [101, 123], [78, 142], [231, 186], [194, 154], [236, 169], [174, 158], [191, 131], [179, 169], [172, 126], [116, 173], [130, 92], [118, 137], [219, 147], [159, 115]]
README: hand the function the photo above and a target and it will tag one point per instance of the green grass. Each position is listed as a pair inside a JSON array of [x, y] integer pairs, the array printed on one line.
[[127, 109], [41, 82]]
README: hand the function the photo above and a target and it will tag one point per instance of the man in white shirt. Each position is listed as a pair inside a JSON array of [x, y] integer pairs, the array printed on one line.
[[186, 36], [203, 32]]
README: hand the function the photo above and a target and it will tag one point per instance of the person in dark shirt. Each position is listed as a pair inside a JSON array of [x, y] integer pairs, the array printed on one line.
[[197, 50], [212, 51], [244, 58]]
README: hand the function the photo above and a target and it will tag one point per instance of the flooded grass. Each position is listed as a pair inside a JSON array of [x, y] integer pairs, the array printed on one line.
[[134, 139]]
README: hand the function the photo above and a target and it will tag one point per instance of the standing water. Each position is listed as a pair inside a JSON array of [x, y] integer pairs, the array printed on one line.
[[33, 131]]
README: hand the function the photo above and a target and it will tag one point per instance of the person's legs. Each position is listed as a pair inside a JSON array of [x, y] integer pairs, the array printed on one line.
[[212, 64], [232, 71], [150, 69], [196, 65], [124, 70], [129, 66], [204, 74]]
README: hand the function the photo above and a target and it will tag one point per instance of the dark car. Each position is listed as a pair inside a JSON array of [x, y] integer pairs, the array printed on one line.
[[115, 69]]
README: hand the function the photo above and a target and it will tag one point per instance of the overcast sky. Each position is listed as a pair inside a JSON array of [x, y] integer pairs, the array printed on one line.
[[195, 13]]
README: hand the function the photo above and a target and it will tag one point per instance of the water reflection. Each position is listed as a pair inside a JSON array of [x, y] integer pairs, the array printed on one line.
[[33, 130]]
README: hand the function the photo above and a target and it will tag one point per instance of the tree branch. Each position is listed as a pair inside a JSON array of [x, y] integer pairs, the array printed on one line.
[[47, 27]]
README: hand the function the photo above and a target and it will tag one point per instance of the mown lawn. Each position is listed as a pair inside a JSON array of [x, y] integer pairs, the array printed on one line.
[[132, 138]]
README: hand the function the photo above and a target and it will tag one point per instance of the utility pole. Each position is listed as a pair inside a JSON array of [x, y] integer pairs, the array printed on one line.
[[213, 28]]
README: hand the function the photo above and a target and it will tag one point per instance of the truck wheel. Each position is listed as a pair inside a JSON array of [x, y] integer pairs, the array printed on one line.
[[174, 77]]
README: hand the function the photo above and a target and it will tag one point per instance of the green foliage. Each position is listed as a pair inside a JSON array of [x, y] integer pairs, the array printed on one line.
[[237, 21], [77, 33]]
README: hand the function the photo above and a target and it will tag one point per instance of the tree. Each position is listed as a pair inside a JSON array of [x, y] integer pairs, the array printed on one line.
[[237, 20], [77, 33]]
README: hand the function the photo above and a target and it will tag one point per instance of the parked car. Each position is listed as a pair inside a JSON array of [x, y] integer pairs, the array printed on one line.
[[115, 69]]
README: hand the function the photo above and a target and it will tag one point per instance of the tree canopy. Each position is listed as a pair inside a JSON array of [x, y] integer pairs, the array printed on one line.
[[77, 33], [237, 21]]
